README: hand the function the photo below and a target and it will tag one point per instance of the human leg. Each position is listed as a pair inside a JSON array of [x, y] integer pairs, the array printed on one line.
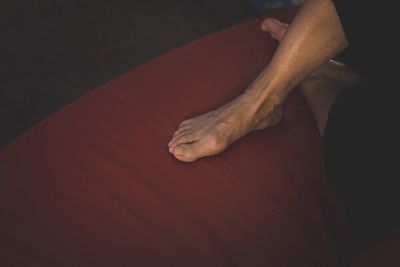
[[310, 42], [324, 85]]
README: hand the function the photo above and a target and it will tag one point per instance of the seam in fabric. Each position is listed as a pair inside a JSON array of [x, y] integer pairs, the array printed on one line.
[[280, 217]]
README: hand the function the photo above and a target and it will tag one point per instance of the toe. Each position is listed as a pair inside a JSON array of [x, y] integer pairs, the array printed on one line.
[[190, 152], [177, 136], [183, 153], [180, 130], [187, 152], [275, 28], [184, 138]]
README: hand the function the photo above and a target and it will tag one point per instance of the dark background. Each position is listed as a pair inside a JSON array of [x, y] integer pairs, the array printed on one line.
[[54, 51]]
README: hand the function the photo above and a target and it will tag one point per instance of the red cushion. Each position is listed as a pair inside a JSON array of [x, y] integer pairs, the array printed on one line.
[[94, 184]]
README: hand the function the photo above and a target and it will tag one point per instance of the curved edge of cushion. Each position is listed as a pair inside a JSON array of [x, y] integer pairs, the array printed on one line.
[[94, 184]]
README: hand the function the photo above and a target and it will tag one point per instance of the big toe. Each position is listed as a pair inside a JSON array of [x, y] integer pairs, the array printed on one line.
[[186, 152], [190, 152], [275, 28]]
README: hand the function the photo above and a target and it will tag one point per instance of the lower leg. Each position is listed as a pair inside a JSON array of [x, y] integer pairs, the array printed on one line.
[[322, 88], [324, 85]]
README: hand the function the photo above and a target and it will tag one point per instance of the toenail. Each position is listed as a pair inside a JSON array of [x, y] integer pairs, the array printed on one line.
[[179, 151]]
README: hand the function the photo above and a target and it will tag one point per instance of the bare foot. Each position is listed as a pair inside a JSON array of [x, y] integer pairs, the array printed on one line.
[[211, 133]]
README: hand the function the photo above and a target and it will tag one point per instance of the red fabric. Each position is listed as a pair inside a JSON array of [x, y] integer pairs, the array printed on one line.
[[94, 184]]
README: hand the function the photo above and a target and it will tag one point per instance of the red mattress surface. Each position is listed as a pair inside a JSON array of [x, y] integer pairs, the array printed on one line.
[[95, 185]]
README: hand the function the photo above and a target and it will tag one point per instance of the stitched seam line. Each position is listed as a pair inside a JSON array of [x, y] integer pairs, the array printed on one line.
[[273, 209]]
